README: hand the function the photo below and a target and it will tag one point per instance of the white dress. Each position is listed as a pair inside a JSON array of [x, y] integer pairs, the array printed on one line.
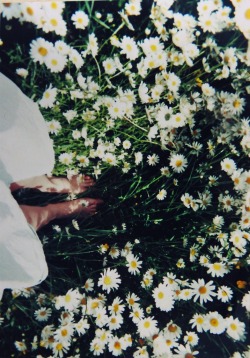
[[25, 151]]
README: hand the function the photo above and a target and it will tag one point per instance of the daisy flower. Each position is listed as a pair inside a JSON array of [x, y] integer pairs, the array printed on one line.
[[133, 264], [43, 314], [246, 301], [242, 17], [55, 62], [81, 326], [235, 328], [70, 301], [89, 285], [177, 120], [21, 346], [54, 22], [185, 351], [116, 346], [228, 165], [117, 307], [132, 300], [178, 162], [172, 330], [64, 333], [147, 327], [54, 126], [76, 58], [115, 321], [137, 314], [199, 322], [215, 323], [49, 97], [217, 269], [109, 66], [22, 72], [152, 46], [109, 280], [160, 347], [129, 48], [32, 12], [162, 194], [133, 8], [66, 158], [191, 338], [39, 50], [60, 348], [153, 159], [164, 297], [97, 347], [80, 19], [203, 291], [224, 294]]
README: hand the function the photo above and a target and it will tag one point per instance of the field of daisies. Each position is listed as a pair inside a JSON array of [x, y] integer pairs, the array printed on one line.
[[151, 98]]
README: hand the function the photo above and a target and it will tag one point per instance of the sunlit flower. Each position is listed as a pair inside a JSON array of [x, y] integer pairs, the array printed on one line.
[[39, 50], [55, 61], [109, 280], [133, 264], [246, 301], [80, 19], [43, 314], [216, 323], [203, 291], [129, 48], [161, 194], [178, 162], [224, 293], [199, 322], [49, 97], [235, 328], [164, 298], [147, 327], [217, 269]]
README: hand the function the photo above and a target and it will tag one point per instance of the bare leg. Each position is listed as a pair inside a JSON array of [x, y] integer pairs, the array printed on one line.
[[76, 184], [39, 216]]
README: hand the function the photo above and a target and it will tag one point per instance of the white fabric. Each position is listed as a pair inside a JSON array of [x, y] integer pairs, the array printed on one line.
[[25, 151]]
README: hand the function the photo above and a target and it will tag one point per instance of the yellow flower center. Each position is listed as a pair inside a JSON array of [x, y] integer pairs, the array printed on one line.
[[172, 328], [64, 332], [80, 21], [160, 295], [233, 326], [217, 266], [199, 320], [178, 163], [54, 62], [133, 264], [117, 345], [107, 280], [30, 11], [53, 22], [43, 51], [247, 14], [67, 298], [129, 47], [53, 5], [59, 346], [147, 324], [153, 47], [214, 322], [202, 290]]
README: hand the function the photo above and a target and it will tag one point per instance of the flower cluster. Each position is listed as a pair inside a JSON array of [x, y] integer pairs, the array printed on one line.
[[153, 102]]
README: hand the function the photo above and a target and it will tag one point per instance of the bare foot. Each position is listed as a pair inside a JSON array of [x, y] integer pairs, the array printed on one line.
[[76, 184], [39, 216]]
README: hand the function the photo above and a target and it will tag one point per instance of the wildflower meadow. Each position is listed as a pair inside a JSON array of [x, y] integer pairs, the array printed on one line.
[[152, 99]]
